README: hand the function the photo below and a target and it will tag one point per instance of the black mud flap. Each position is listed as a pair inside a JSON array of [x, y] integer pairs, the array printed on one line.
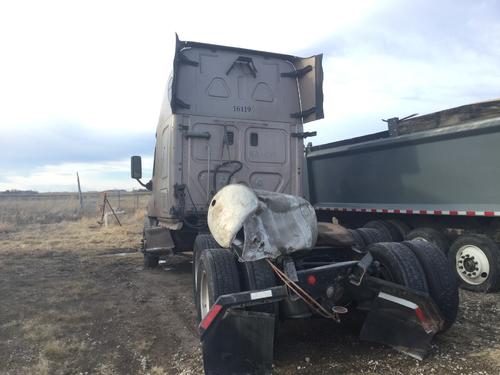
[[242, 343], [405, 322]]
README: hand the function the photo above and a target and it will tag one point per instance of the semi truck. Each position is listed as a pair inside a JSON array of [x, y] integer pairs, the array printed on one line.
[[432, 178], [227, 186]]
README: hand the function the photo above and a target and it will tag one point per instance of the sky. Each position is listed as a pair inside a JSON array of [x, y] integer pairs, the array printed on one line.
[[81, 82]]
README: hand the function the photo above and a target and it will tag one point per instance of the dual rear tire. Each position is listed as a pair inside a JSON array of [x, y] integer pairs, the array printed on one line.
[[420, 265], [216, 272]]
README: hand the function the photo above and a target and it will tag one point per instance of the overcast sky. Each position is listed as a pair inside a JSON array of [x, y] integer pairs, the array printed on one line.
[[81, 82]]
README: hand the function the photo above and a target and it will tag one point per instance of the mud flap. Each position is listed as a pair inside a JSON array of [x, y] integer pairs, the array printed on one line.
[[242, 343], [402, 324]]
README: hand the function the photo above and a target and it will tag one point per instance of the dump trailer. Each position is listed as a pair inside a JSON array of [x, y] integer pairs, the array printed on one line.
[[227, 185], [433, 178]]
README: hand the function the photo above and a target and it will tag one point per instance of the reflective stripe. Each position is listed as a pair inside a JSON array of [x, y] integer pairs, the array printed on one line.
[[398, 300], [205, 323], [411, 211], [262, 294]]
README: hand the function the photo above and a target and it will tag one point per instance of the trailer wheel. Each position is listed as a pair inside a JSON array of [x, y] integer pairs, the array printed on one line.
[[359, 243], [202, 242], [371, 235], [258, 275], [217, 275], [441, 280], [430, 235], [391, 232], [475, 258], [151, 260], [398, 264]]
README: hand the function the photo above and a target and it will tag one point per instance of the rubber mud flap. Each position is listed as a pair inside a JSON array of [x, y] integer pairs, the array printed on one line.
[[241, 343], [397, 325]]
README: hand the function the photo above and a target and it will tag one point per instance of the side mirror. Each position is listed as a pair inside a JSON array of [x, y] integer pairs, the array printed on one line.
[[136, 167]]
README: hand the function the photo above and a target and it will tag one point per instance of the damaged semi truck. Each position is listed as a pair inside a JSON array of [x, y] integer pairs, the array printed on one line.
[[228, 185]]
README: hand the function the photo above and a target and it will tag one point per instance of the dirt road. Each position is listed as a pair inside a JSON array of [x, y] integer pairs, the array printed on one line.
[[75, 312]]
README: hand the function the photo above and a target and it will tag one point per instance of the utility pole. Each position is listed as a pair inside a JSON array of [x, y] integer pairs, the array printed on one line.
[[79, 192]]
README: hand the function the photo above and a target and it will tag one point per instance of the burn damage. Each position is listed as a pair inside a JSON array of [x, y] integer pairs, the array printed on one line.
[[264, 217]]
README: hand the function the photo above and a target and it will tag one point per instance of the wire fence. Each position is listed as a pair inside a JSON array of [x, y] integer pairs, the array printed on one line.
[[55, 207]]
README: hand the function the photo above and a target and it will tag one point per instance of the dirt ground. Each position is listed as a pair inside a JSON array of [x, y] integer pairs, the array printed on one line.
[[75, 299]]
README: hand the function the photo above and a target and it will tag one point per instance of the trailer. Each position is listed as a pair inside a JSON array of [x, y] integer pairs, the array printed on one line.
[[432, 178]]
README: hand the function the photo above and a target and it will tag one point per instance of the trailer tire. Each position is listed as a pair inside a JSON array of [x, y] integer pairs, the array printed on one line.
[[470, 246], [430, 235], [385, 227], [442, 282], [359, 243], [371, 235], [202, 242], [151, 260], [399, 265], [217, 275]]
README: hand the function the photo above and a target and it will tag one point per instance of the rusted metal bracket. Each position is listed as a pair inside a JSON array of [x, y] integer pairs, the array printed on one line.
[[304, 134], [184, 60], [298, 73], [179, 103], [303, 114], [203, 135]]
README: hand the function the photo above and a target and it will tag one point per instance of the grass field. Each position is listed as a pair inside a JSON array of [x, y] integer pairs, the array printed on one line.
[[75, 298]]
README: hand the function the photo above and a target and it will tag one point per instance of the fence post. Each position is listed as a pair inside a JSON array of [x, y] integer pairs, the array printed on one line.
[[79, 192]]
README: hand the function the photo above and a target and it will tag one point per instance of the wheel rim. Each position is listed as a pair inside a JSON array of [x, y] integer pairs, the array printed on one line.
[[472, 264], [204, 295], [195, 272]]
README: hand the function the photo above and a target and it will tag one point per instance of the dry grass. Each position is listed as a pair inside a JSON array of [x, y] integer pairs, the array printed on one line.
[[83, 234], [55, 208], [6, 227]]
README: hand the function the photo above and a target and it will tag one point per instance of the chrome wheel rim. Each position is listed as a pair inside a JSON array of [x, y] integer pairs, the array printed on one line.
[[472, 264], [204, 295]]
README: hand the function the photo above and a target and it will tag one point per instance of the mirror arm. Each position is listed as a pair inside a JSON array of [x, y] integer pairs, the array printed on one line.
[[148, 185]]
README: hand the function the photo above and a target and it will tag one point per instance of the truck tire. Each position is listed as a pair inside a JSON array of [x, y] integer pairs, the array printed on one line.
[[202, 242], [441, 280], [430, 235], [258, 275], [399, 265], [217, 275], [475, 259], [359, 243], [390, 230], [151, 260], [371, 235]]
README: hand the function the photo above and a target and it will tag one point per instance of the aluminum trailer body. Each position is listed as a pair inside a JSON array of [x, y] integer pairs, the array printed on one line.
[[437, 171]]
